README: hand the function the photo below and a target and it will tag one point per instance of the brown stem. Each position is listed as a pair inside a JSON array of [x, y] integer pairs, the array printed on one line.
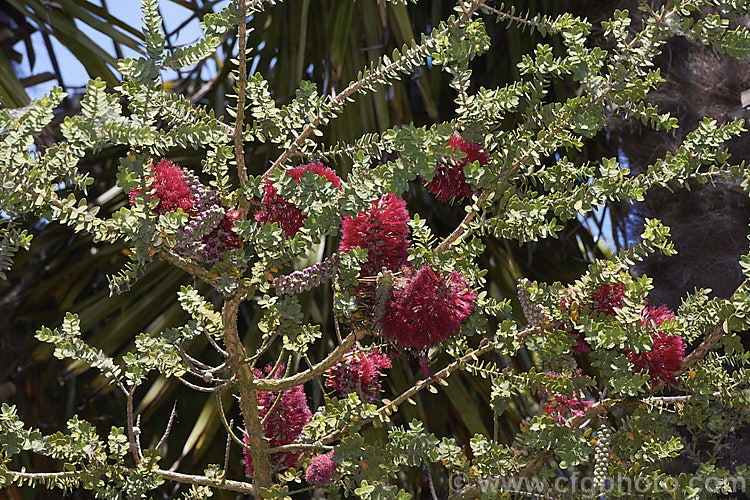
[[189, 267], [710, 341], [282, 384], [248, 393], [239, 122], [131, 428]]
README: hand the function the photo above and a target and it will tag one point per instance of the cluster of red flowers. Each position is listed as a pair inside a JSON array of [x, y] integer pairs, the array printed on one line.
[[667, 351], [664, 359], [560, 405], [604, 301], [172, 189], [208, 234], [382, 231], [359, 372], [450, 181], [321, 469], [426, 308], [277, 209], [284, 424], [607, 298]]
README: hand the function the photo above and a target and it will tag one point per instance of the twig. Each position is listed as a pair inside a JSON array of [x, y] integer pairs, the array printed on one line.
[[138, 435], [131, 429], [293, 447], [227, 448], [239, 147], [227, 425], [430, 482], [712, 339], [485, 346], [169, 426], [201, 388], [263, 348], [337, 328], [225, 484], [215, 345], [336, 355], [276, 401]]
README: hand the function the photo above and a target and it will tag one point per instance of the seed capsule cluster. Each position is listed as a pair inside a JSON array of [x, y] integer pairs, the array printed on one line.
[[208, 234], [534, 314], [306, 279], [601, 460]]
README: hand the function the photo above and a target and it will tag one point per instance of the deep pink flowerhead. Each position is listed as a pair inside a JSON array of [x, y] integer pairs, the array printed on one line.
[[560, 405], [656, 314], [449, 181], [284, 424], [607, 298], [208, 234], [382, 231], [427, 309], [604, 301], [278, 209], [172, 190], [359, 372], [321, 469], [664, 359], [581, 345]]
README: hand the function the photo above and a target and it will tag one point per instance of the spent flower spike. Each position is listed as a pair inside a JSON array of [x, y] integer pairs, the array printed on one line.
[[306, 279], [533, 312]]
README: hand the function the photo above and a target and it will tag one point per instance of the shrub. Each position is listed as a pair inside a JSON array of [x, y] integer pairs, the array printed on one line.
[[510, 153]]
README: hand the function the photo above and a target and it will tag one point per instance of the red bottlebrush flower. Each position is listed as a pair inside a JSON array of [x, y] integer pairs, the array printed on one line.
[[284, 424], [559, 405], [321, 469], [297, 172], [208, 234], [427, 309], [656, 314], [172, 189], [359, 372], [278, 209], [607, 298], [449, 181], [382, 231], [604, 301], [581, 345], [664, 359]]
